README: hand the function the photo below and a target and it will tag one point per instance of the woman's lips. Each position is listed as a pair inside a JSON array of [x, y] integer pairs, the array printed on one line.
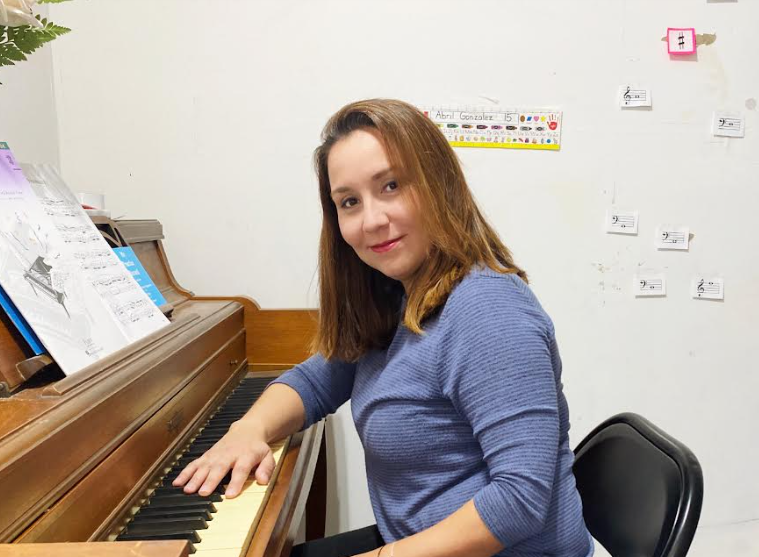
[[385, 246]]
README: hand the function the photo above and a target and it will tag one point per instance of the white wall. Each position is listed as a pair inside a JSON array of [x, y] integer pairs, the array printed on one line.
[[204, 114], [27, 108]]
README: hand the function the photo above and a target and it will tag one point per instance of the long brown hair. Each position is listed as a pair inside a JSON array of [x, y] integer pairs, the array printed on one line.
[[359, 306]]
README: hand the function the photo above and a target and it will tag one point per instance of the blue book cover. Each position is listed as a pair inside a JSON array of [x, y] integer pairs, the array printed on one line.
[[20, 323], [133, 265]]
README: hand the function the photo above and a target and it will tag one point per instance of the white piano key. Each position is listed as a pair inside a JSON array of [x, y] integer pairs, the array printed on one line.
[[230, 528]]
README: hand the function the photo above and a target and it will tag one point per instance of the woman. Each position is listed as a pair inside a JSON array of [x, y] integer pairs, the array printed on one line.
[[451, 365]]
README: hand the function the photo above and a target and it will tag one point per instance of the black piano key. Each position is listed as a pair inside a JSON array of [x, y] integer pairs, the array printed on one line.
[[186, 512], [186, 502], [189, 535], [158, 525], [197, 450], [170, 489], [204, 443], [169, 498]]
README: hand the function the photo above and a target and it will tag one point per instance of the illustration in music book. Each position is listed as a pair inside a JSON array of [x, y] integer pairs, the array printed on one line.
[[681, 41], [650, 284], [621, 222], [707, 288], [728, 124], [75, 293], [502, 128], [630, 96], [672, 237]]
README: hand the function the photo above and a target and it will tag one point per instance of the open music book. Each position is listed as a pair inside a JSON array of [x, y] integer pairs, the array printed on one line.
[[61, 274]]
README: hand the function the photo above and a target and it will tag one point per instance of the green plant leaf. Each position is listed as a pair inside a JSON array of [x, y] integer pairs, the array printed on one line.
[[51, 1], [11, 53]]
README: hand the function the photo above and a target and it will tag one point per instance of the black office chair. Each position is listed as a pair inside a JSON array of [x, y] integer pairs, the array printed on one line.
[[641, 489]]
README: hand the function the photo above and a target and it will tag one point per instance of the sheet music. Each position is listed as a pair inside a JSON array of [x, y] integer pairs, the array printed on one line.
[[707, 288], [61, 274], [728, 125], [648, 285], [672, 237], [633, 97], [621, 222]]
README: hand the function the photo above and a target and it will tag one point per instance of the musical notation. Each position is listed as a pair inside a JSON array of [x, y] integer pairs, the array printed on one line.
[[708, 288], [82, 234], [114, 285], [681, 41], [59, 208], [650, 285], [672, 237], [622, 222], [96, 259], [133, 311], [728, 125], [631, 97]]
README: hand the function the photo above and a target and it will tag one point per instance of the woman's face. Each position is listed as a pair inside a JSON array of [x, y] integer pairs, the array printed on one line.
[[379, 221]]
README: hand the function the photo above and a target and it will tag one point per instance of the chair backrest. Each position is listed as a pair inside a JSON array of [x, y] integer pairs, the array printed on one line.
[[641, 489]]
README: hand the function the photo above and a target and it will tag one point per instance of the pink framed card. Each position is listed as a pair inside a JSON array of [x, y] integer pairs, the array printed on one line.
[[681, 41]]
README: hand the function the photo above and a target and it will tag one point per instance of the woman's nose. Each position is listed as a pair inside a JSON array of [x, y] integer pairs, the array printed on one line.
[[375, 217]]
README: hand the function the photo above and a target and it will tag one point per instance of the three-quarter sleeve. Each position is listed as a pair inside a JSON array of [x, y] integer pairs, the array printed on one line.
[[323, 385], [498, 371]]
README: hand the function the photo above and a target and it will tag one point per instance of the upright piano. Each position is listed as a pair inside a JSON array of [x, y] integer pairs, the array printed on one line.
[[87, 460]]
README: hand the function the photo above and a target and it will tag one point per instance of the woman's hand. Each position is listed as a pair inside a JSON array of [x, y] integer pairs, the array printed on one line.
[[242, 449]]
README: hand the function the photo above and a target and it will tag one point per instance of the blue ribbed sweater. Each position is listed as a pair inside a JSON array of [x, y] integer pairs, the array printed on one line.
[[473, 408]]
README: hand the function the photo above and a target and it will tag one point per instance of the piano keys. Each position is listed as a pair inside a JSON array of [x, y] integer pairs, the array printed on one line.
[[82, 457], [214, 524]]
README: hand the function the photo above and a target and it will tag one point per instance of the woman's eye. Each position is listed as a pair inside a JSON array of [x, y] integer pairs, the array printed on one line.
[[391, 186], [348, 202]]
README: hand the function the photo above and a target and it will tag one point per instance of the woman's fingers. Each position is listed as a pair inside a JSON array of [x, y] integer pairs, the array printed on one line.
[[265, 468], [240, 473], [215, 474], [197, 479], [185, 474], [240, 450]]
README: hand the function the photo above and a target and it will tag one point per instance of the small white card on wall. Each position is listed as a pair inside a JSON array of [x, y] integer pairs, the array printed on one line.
[[631, 97], [707, 288], [621, 222], [646, 285], [672, 237], [728, 124]]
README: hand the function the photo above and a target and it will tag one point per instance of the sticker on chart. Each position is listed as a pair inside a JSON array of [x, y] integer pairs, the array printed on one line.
[[681, 40], [672, 237], [647, 285], [728, 125], [707, 288], [632, 97], [621, 222]]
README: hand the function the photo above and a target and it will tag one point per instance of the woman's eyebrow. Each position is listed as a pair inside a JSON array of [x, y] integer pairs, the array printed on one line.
[[341, 189], [376, 176], [381, 173]]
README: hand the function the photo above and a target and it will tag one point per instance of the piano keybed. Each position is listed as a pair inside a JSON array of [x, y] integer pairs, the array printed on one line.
[[214, 525]]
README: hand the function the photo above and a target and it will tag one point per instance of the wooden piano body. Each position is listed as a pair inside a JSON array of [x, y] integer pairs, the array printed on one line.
[[78, 453]]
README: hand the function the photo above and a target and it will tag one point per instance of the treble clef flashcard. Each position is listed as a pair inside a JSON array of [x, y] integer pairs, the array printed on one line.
[[649, 285], [630, 96], [621, 222], [707, 288], [672, 237]]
